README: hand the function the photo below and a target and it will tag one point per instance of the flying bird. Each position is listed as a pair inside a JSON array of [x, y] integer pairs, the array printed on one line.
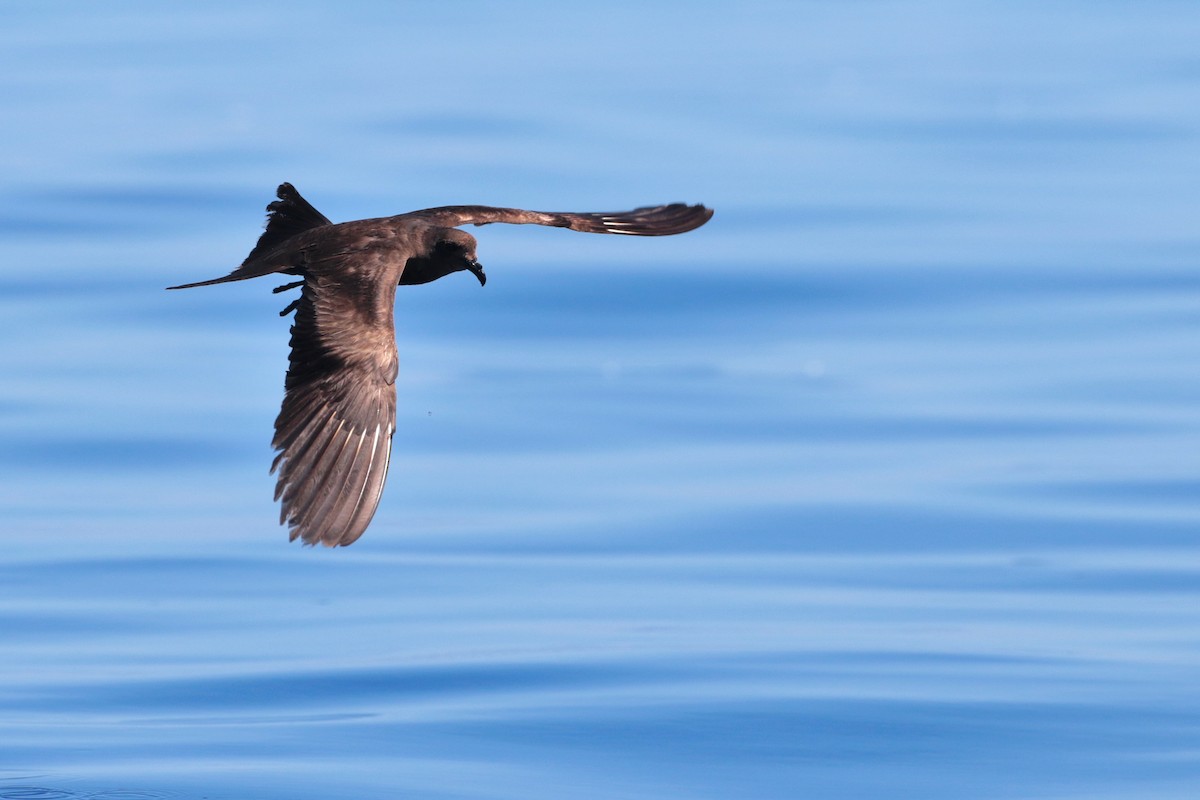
[[333, 435]]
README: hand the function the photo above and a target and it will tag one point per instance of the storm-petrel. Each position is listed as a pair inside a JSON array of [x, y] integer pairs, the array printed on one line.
[[334, 432]]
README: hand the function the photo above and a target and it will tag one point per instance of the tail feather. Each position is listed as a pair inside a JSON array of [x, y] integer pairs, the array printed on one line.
[[288, 216]]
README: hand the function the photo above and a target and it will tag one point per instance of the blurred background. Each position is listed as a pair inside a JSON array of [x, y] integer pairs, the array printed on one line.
[[882, 484]]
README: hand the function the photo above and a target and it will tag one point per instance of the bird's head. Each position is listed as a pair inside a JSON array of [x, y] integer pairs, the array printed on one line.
[[444, 250]]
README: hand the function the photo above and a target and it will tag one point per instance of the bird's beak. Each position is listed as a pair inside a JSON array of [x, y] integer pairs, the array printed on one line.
[[477, 270]]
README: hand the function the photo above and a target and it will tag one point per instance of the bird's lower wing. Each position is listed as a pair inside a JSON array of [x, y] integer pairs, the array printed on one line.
[[334, 431]]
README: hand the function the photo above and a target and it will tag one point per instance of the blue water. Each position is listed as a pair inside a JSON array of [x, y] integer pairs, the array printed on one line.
[[883, 484]]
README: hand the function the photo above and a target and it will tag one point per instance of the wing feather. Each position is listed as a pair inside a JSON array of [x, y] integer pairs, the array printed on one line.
[[334, 430], [648, 221]]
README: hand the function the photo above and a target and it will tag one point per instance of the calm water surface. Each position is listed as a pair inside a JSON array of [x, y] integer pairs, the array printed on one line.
[[883, 484]]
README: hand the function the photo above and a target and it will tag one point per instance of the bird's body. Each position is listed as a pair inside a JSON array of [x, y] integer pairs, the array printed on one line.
[[334, 431]]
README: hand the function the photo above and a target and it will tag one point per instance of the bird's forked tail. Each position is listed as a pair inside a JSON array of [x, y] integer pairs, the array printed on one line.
[[288, 216]]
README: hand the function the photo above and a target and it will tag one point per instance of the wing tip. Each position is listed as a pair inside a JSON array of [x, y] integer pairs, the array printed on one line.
[[332, 501], [664, 220]]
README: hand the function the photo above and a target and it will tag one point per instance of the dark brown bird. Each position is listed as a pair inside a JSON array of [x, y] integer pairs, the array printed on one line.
[[334, 432]]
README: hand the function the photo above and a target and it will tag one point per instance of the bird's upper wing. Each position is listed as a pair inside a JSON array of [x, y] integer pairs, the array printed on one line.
[[648, 221], [334, 431]]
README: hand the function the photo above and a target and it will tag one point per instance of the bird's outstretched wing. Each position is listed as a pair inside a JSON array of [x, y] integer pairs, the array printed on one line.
[[649, 221], [334, 431]]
